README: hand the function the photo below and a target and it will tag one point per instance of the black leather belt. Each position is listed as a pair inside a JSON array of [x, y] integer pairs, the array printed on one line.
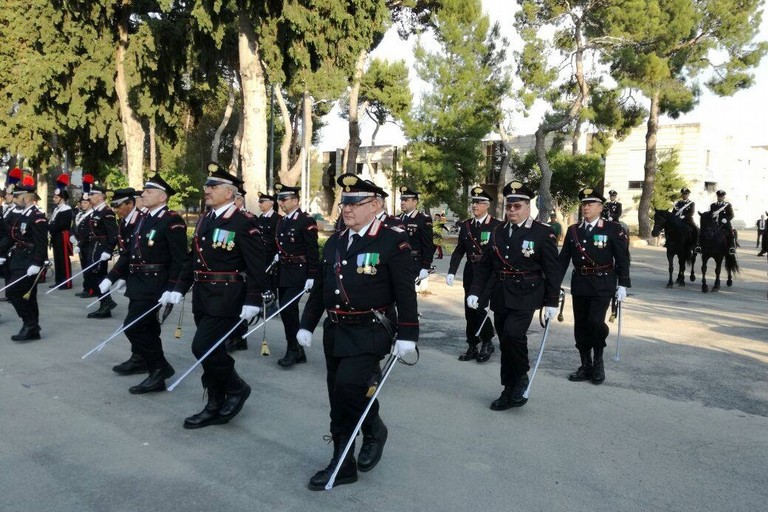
[[594, 271], [218, 277], [509, 274], [339, 316], [146, 268], [474, 258], [293, 259]]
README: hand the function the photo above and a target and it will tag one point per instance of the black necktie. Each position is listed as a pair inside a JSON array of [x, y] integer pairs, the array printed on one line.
[[354, 238], [589, 228], [512, 229]]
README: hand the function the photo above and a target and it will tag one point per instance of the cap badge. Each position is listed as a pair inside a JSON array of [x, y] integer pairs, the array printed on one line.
[[347, 181]]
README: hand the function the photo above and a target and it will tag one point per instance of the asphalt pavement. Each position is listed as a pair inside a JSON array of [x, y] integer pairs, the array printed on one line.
[[680, 423]]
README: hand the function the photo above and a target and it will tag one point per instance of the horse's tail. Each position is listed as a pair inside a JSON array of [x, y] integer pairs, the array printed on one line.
[[731, 265]]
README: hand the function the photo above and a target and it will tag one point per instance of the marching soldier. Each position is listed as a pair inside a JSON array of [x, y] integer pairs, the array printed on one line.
[[365, 272], [26, 247], [474, 234], [237, 341], [240, 199], [599, 252], [80, 238], [296, 241], [102, 239], [60, 227], [124, 204], [381, 209], [520, 259], [612, 208], [227, 267], [268, 221], [684, 209], [419, 229], [151, 267], [722, 213]]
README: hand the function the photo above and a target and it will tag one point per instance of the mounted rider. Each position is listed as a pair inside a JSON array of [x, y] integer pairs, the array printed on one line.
[[684, 209], [722, 214]]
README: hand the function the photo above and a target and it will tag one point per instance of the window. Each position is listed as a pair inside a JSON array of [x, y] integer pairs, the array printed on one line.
[[711, 186], [635, 185]]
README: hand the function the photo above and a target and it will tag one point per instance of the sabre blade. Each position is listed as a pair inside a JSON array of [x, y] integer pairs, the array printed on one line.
[[617, 358], [103, 344], [538, 358], [86, 269]]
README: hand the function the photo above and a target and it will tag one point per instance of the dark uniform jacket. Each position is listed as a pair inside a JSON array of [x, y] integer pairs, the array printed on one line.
[[472, 241], [600, 259], [157, 256], [611, 211], [9, 215], [26, 241], [684, 209], [102, 231], [268, 226], [81, 231], [125, 229], [521, 269], [390, 220], [227, 264], [376, 274], [296, 242], [420, 237], [721, 211], [60, 225]]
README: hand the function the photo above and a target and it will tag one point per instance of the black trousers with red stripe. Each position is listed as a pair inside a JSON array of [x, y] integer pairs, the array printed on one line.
[[62, 249]]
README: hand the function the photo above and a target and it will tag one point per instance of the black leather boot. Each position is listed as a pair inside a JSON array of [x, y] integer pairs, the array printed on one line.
[[485, 351], [470, 354], [294, 355], [105, 310], [134, 365], [585, 370], [373, 445], [28, 332], [598, 372], [347, 472], [512, 396], [155, 381], [236, 343], [210, 413], [236, 393]]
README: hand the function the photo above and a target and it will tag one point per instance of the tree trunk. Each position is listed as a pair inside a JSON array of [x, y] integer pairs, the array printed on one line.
[[152, 147], [644, 208], [224, 122], [234, 165], [576, 137], [253, 151], [505, 174], [545, 201], [287, 174], [354, 118], [132, 129]]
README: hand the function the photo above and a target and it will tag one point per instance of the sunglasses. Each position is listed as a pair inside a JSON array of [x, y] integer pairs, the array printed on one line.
[[514, 206]]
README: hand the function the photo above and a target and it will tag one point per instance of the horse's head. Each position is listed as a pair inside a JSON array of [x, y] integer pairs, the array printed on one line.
[[659, 220]]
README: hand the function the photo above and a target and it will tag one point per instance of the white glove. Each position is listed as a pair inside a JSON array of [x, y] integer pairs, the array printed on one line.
[[277, 258], [621, 294], [104, 285], [550, 313], [72, 240], [119, 284], [76, 249], [105, 256], [304, 337], [309, 284], [449, 279], [170, 298], [2, 261], [423, 274], [403, 347], [248, 312], [473, 301], [33, 270], [724, 221]]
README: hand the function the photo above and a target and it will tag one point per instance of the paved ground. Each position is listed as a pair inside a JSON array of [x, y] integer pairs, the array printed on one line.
[[680, 423]]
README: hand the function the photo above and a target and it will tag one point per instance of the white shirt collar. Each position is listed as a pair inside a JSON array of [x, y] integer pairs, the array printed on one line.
[[593, 223], [290, 215], [100, 207], [221, 209], [362, 231], [268, 214], [26, 210], [481, 221], [154, 212]]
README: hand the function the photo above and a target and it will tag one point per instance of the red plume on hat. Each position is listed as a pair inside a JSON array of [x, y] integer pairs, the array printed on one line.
[[28, 181], [87, 182], [14, 176], [62, 180]]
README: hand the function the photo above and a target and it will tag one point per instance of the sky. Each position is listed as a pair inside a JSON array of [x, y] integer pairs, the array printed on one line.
[[739, 115]]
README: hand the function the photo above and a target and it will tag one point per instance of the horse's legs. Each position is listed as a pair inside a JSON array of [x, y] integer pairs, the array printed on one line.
[[671, 263], [704, 286], [693, 268], [718, 267], [681, 273]]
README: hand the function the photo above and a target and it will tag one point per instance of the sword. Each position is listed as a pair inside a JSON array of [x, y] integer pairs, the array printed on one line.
[[13, 283], [86, 269], [618, 332], [117, 288], [103, 344], [27, 295], [199, 361], [430, 271], [538, 359], [487, 315]]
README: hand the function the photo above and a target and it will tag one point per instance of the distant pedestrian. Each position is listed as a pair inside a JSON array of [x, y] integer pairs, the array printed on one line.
[[760, 232], [557, 228]]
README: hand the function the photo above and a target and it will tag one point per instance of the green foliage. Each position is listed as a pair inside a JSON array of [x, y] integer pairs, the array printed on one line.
[[468, 81], [666, 187], [385, 87]]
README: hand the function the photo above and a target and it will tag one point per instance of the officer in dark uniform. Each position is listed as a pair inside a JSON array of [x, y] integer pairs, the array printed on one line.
[[612, 208], [151, 266], [228, 271], [365, 272], [10, 211], [79, 239], [268, 220], [60, 228], [684, 209], [474, 234], [296, 242], [381, 209], [722, 213], [520, 259], [124, 204], [419, 228], [236, 341], [102, 241], [26, 247], [599, 251]]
